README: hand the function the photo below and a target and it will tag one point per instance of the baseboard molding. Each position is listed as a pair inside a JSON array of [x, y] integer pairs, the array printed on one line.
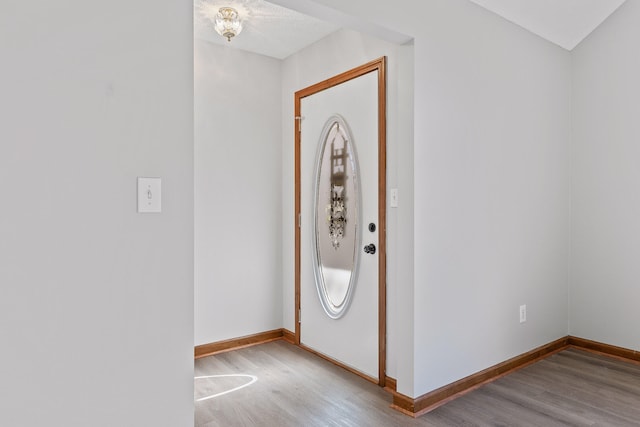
[[604, 349], [288, 336], [432, 400], [242, 342], [390, 384]]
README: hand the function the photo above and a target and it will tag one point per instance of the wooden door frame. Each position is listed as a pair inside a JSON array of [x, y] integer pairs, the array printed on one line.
[[380, 66]]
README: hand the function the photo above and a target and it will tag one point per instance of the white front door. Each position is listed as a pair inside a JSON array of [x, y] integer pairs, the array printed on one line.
[[353, 338]]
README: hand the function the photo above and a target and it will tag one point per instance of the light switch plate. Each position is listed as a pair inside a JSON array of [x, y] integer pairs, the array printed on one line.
[[394, 198], [149, 195]]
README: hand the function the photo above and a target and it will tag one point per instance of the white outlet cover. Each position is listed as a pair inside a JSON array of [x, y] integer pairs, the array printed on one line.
[[149, 195]]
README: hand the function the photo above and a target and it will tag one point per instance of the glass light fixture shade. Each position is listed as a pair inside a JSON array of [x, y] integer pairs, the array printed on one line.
[[227, 23]]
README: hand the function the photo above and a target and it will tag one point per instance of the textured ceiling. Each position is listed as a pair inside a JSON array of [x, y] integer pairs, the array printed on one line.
[[563, 22], [268, 29]]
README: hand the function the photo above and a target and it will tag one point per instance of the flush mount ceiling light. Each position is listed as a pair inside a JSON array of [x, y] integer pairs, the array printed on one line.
[[227, 22]]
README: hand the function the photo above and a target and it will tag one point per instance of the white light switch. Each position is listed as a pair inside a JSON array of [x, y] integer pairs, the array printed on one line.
[[149, 195], [393, 195]]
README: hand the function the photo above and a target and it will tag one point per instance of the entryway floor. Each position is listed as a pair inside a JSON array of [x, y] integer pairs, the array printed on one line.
[[296, 388]]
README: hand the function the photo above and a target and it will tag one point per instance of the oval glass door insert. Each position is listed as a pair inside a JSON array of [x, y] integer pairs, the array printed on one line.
[[336, 237]]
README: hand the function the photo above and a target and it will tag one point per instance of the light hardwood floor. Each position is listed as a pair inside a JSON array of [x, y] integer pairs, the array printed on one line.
[[295, 388]]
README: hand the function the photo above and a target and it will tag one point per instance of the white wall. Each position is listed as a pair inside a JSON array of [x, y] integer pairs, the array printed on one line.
[[492, 192], [606, 204], [96, 300], [238, 201], [492, 187], [332, 55]]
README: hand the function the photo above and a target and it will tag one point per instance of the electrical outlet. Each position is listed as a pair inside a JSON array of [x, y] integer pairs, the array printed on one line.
[[523, 313]]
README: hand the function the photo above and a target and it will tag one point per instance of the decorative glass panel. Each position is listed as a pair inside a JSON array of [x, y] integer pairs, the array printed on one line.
[[336, 237]]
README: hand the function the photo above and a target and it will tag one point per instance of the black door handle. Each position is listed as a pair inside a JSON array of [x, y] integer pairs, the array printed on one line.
[[370, 249]]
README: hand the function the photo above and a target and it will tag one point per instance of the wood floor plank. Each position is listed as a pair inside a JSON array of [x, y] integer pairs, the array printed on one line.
[[296, 388]]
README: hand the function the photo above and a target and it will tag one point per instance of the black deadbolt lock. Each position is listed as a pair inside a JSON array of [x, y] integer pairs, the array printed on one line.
[[372, 227], [370, 249]]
